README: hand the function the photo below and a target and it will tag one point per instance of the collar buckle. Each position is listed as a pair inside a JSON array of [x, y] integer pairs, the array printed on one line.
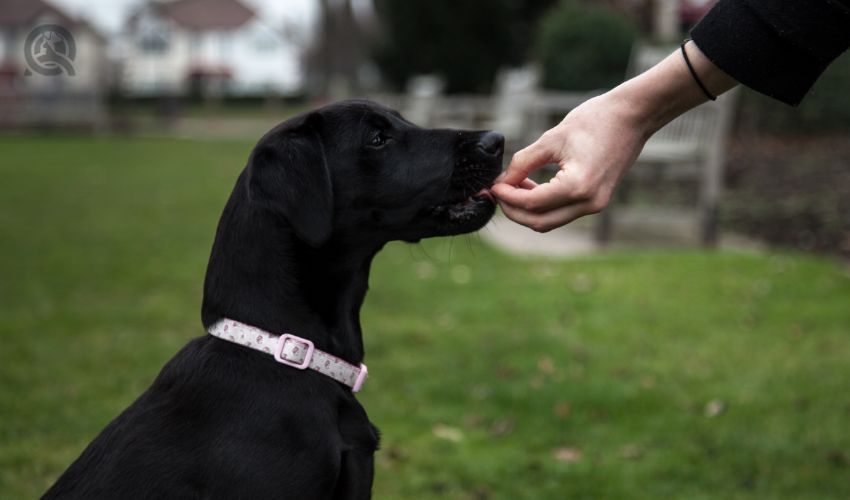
[[295, 351]]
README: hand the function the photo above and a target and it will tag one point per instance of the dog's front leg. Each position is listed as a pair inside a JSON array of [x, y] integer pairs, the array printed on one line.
[[356, 473]]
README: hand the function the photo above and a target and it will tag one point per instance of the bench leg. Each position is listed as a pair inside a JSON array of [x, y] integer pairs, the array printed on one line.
[[602, 228], [708, 226]]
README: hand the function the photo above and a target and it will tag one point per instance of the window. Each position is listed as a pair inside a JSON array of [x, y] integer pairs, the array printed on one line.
[[265, 42], [154, 36]]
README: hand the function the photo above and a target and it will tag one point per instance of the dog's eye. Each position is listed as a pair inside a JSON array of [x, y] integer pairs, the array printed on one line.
[[378, 140]]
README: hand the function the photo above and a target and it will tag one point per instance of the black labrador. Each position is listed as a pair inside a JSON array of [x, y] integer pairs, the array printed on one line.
[[321, 194]]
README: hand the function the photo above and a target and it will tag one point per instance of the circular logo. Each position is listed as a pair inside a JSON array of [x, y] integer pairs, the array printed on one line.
[[50, 50]]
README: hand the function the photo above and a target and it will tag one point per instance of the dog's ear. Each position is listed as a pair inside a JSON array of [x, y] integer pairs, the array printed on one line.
[[288, 173]]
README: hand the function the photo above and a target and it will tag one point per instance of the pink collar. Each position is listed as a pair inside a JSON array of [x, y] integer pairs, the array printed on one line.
[[292, 351]]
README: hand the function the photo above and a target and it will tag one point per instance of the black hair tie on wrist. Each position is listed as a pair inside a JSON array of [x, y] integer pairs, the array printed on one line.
[[694, 73]]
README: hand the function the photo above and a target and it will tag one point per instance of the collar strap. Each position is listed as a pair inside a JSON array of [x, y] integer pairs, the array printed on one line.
[[292, 351]]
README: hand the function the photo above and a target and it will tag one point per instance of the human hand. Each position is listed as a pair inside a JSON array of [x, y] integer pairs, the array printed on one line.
[[593, 146], [599, 140]]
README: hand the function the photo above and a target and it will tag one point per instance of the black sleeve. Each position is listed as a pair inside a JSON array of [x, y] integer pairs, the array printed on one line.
[[776, 47]]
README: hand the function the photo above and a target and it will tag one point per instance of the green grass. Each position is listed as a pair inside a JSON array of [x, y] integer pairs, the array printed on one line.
[[650, 375]]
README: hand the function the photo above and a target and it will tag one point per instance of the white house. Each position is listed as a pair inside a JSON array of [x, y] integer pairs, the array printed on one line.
[[210, 46]]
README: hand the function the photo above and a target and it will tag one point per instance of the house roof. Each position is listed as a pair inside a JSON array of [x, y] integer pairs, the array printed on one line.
[[208, 14], [22, 13]]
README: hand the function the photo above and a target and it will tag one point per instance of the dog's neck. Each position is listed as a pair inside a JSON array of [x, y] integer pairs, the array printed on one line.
[[261, 274]]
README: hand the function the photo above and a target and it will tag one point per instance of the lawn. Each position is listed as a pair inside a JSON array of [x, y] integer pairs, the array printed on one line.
[[630, 375]]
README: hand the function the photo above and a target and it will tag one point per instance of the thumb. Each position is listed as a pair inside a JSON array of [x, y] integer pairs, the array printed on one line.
[[524, 162]]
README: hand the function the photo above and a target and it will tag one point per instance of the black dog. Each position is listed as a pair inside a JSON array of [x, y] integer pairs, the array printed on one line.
[[321, 194]]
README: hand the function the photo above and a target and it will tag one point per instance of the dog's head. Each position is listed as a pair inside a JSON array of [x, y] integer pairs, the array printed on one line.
[[356, 169]]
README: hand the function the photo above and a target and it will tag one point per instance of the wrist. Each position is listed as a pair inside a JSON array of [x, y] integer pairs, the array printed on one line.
[[668, 89]]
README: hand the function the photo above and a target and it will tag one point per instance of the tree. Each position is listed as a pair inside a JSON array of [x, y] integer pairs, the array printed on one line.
[[338, 50], [583, 46], [465, 41]]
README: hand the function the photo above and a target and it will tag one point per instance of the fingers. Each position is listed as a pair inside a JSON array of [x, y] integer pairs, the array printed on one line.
[[536, 198], [543, 207], [543, 222], [527, 184], [526, 161]]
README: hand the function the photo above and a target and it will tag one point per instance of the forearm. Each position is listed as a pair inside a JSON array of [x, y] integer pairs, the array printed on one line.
[[654, 98]]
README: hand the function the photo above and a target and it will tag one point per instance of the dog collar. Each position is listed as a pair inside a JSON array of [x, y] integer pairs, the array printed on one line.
[[292, 351]]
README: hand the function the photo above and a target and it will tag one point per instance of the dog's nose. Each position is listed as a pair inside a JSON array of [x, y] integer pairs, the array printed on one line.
[[491, 143]]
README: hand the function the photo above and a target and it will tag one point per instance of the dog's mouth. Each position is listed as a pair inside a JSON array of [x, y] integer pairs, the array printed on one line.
[[463, 209], [467, 204], [465, 213]]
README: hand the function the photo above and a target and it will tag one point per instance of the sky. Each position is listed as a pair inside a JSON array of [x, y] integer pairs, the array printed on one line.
[[109, 15]]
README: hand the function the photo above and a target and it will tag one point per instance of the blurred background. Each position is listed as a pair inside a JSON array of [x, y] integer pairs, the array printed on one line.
[[691, 340], [220, 69]]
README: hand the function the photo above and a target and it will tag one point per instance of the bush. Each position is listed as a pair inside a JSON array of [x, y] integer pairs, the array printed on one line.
[[584, 47], [464, 41]]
